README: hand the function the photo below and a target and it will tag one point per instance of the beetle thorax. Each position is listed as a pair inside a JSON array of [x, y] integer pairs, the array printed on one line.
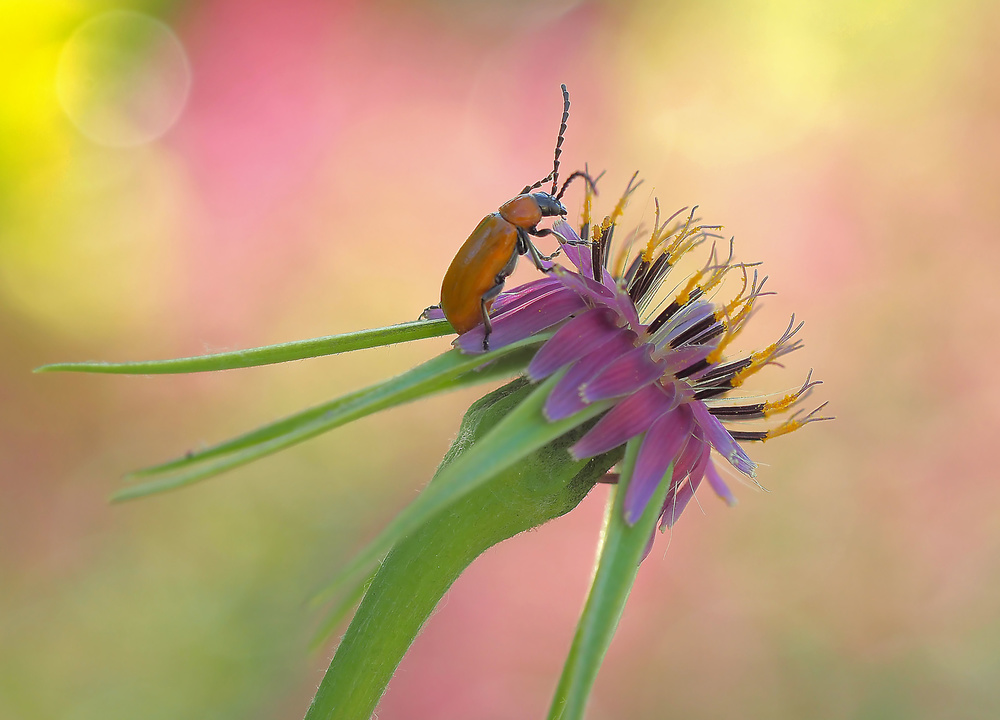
[[523, 211]]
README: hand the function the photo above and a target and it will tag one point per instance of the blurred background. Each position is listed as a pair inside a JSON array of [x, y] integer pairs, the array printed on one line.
[[185, 177]]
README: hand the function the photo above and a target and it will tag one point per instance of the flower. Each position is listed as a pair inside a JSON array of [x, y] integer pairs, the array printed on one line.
[[662, 359]]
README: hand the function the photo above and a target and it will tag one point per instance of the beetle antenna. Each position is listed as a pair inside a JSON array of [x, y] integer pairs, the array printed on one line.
[[529, 188], [578, 174], [560, 139]]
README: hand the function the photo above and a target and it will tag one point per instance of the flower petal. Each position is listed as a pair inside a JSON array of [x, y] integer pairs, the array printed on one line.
[[564, 400], [575, 249], [627, 308], [585, 286], [663, 442], [677, 501], [625, 420], [572, 341], [680, 495], [719, 485], [523, 294], [580, 253], [689, 455], [519, 323], [722, 441], [633, 370], [676, 360], [686, 317]]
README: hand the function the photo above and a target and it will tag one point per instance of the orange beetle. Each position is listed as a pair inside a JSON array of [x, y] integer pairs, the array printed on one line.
[[477, 274]]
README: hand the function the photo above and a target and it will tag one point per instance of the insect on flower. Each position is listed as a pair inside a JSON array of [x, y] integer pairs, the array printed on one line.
[[477, 274], [621, 352], [662, 358]]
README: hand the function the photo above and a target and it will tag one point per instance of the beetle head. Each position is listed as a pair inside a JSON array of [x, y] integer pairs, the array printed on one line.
[[548, 204]]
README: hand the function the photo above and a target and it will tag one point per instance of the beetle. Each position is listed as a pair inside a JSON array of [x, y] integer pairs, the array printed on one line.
[[477, 274]]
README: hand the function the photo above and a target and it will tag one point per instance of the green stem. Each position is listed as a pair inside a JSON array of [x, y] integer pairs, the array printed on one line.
[[266, 355], [423, 565], [619, 553]]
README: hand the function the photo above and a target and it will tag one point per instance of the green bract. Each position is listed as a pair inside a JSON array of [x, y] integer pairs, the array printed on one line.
[[507, 471]]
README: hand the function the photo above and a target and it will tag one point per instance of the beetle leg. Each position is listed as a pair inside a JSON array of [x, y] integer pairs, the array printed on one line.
[[526, 247], [490, 295], [486, 322], [425, 315], [562, 239], [542, 233]]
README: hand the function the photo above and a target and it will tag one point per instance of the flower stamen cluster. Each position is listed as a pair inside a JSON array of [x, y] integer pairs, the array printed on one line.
[[663, 359]]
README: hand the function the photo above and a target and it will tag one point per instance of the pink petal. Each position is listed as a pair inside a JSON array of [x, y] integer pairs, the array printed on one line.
[[624, 421], [631, 371], [564, 400], [678, 498], [605, 291], [719, 485], [722, 441], [663, 442], [585, 286], [676, 502], [576, 251], [522, 322], [627, 308], [572, 341], [693, 450], [523, 294]]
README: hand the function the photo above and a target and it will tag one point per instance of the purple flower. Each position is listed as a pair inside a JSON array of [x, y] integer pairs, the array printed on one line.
[[661, 356]]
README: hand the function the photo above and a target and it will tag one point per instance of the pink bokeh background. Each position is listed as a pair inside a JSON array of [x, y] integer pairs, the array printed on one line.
[[329, 159]]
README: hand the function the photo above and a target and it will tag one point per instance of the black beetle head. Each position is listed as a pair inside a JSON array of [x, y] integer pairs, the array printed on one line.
[[548, 204]]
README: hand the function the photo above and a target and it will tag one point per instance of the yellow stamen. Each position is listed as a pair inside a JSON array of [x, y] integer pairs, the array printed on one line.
[[619, 210], [715, 278], [777, 406], [654, 238], [685, 294], [759, 359], [732, 330], [790, 425], [588, 204], [686, 239], [739, 317]]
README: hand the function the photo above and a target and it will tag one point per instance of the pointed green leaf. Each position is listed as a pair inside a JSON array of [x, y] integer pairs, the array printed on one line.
[[422, 566], [266, 355], [521, 432], [338, 612], [621, 551], [447, 371]]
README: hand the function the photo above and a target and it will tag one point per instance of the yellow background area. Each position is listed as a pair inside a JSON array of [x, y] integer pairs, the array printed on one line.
[[316, 175]]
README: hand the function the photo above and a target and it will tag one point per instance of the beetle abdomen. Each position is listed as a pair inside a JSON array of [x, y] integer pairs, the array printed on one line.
[[473, 273]]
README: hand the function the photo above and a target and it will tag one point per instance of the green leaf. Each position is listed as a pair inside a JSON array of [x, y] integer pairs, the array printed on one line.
[[521, 432], [446, 372], [424, 563], [338, 612], [267, 355], [621, 550]]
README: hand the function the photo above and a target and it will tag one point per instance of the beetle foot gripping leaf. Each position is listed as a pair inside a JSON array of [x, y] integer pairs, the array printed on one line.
[[423, 564]]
